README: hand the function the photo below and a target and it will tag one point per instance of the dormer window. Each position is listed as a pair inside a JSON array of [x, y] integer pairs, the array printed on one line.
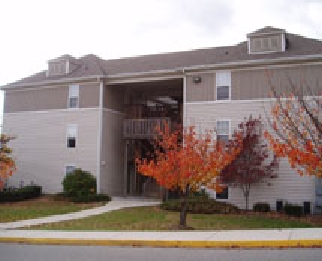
[[57, 68], [266, 40], [60, 66]]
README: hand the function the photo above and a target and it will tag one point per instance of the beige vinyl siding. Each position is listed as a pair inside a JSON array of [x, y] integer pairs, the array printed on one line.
[[254, 83], [289, 186], [54, 97], [257, 83], [40, 146], [112, 169], [203, 91], [89, 95]]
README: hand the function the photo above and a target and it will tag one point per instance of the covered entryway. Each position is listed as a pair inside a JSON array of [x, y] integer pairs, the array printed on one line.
[[146, 106]]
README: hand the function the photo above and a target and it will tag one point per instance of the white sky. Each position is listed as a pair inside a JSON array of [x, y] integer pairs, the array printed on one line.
[[32, 32]]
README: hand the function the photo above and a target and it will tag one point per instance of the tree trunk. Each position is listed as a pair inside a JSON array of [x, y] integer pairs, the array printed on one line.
[[184, 206], [246, 194]]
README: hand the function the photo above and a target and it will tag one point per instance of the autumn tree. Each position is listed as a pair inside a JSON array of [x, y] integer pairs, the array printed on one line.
[[186, 161], [254, 164], [7, 164], [296, 128]]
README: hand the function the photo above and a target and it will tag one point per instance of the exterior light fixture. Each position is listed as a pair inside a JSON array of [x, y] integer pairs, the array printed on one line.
[[196, 79]]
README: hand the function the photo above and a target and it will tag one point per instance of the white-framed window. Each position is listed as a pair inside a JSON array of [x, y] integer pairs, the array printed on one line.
[[69, 168], [73, 97], [224, 194], [223, 130], [223, 85], [71, 135]]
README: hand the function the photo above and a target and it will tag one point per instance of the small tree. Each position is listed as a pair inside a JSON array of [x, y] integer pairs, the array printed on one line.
[[7, 164], [254, 164], [186, 161]]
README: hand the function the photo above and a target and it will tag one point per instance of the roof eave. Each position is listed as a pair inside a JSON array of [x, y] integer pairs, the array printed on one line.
[[64, 80]]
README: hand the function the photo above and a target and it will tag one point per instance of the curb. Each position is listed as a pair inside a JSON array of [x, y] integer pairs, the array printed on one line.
[[307, 243]]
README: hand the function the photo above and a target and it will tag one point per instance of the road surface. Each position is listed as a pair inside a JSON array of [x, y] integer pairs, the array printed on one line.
[[14, 252]]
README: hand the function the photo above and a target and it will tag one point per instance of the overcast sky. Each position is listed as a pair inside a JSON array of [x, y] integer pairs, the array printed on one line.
[[32, 32]]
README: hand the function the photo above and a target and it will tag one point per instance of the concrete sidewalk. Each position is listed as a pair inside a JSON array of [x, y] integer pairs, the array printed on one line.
[[115, 204], [306, 237]]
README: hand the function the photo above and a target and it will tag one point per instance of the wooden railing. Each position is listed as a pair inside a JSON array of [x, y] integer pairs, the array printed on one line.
[[143, 128]]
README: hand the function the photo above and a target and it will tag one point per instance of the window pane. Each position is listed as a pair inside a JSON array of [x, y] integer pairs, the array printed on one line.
[[223, 137], [73, 102], [223, 194], [73, 90], [222, 127], [72, 130], [71, 142], [222, 92], [223, 78]]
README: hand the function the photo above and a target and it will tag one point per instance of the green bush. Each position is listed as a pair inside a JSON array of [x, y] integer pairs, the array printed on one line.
[[262, 207], [91, 198], [24, 193], [200, 205], [79, 183], [293, 210]]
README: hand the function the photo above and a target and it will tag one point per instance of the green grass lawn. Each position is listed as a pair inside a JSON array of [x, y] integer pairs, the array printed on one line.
[[41, 207], [153, 218]]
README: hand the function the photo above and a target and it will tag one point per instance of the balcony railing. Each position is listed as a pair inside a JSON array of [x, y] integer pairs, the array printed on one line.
[[143, 128]]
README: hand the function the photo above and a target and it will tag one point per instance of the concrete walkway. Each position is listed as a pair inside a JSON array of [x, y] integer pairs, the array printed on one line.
[[308, 237], [115, 204]]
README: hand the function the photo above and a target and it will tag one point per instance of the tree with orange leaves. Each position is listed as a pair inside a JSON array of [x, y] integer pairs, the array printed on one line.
[[297, 130], [187, 161], [7, 164]]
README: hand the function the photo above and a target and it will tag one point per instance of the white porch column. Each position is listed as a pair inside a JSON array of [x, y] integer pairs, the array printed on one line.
[[100, 137], [184, 120]]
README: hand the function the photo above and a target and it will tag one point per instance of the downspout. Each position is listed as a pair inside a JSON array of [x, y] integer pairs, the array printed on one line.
[[100, 135]]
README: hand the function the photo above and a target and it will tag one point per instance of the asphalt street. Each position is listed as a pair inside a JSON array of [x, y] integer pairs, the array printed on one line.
[[14, 252]]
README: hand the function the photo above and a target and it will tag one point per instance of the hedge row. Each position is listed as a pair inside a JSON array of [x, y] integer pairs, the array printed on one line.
[[200, 205], [27, 192], [261, 207], [91, 198], [288, 209], [293, 210]]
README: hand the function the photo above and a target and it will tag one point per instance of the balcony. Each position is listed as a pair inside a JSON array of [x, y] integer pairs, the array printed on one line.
[[143, 128]]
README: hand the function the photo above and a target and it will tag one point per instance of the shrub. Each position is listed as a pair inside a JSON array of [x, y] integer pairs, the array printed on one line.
[[79, 183], [80, 186], [262, 207], [201, 193], [24, 193], [293, 210], [200, 205], [91, 198]]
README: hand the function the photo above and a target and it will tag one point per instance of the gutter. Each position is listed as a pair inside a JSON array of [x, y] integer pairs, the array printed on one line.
[[178, 70]]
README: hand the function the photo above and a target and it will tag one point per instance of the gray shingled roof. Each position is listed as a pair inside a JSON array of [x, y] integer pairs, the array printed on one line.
[[266, 30], [91, 65]]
